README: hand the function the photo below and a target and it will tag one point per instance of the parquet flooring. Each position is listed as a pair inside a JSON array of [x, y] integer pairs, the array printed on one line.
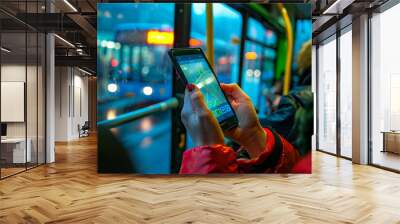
[[70, 191], [10, 171]]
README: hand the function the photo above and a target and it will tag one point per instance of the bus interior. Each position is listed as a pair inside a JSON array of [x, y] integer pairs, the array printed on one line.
[[250, 48]]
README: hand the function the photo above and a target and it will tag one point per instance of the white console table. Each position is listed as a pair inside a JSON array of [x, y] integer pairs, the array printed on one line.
[[19, 154]]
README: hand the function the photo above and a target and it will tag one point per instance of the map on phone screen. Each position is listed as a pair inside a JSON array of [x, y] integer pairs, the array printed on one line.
[[198, 72]]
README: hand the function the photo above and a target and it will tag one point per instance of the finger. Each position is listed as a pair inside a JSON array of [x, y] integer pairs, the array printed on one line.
[[187, 105], [234, 91], [229, 88], [234, 102], [197, 99], [186, 100]]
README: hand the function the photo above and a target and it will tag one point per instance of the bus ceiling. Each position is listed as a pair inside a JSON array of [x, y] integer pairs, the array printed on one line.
[[270, 19]]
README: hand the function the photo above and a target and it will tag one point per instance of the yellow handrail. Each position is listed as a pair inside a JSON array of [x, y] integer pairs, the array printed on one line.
[[289, 34], [210, 34]]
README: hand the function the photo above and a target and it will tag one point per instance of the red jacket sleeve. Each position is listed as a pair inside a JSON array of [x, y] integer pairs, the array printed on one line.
[[279, 156]]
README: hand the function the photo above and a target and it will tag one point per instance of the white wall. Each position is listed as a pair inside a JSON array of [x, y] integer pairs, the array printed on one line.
[[61, 103], [71, 102], [33, 127], [12, 73], [80, 111]]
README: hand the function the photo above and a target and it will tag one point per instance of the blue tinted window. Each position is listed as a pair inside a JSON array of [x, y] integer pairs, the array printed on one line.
[[270, 38], [268, 66], [252, 71], [132, 53], [257, 31], [259, 62], [134, 71], [227, 30], [302, 34], [269, 53]]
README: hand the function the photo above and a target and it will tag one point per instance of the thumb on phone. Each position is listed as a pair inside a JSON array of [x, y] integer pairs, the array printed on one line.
[[233, 91], [197, 99]]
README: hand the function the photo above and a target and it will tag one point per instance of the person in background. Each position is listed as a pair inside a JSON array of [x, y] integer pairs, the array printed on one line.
[[273, 96], [283, 118], [293, 118]]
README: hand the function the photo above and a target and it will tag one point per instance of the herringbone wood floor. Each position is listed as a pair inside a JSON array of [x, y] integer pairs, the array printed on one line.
[[70, 191]]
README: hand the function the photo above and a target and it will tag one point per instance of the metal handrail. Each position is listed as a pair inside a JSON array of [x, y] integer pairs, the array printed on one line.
[[169, 104], [210, 34]]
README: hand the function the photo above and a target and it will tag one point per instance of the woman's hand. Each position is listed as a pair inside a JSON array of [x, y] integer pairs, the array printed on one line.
[[249, 132], [202, 126]]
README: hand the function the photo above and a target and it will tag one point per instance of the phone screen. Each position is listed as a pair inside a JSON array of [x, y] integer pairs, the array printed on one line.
[[198, 72]]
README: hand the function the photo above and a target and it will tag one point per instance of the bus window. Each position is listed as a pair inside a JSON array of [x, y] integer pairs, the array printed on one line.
[[134, 71], [267, 81], [259, 63], [252, 70], [302, 34], [227, 30], [270, 38], [256, 31], [132, 48]]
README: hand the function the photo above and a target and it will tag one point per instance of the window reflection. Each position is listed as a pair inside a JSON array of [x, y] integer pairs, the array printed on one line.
[[132, 52], [22, 92], [227, 30], [258, 32], [385, 89], [134, 71], [346, 94], [252, 71], [327, 96], [259, 64]]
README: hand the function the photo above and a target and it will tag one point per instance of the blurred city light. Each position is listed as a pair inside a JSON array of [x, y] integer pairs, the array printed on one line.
[[111, 114], [251, 55], [195, 42], [112, 87], [114, 62], [249, 73], [146, 124], [147, 90], [223, 60], [103, 43], [117, 46], [257, 73], [110, 44], [159, 37]]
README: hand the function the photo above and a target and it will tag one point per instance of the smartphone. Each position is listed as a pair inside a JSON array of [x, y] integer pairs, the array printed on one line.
[[193, 67]]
